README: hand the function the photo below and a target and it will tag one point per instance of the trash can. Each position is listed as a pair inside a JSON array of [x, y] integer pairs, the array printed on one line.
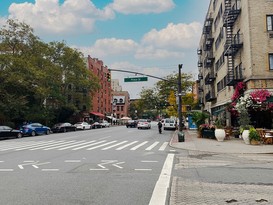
[[181, 137]]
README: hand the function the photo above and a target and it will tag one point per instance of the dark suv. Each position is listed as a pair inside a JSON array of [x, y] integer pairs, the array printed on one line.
[[131, 123]]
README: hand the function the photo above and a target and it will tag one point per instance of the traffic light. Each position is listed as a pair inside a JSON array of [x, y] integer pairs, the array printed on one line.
[[109, 77]]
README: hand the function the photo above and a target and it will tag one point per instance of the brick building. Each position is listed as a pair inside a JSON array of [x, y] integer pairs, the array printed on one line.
[[101, 100], [236, 46], [121, 103]]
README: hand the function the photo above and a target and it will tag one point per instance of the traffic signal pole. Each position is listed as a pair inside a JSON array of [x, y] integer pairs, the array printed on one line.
[[179, 98]]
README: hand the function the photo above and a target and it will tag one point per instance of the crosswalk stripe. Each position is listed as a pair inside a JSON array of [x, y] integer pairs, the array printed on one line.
[[163, 147], [63, 145], [152, 146], [35, 145], [115, 145], [138, 146], [43, 147], [89, 145], [102, 145], [64, 148], [127, 145]]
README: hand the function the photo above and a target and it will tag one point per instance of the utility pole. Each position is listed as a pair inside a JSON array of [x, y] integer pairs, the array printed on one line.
[[179, 98]]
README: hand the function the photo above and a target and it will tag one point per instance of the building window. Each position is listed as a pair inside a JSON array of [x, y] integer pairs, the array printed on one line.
[[269, 22], [121, 108], [117, 108], [271, 61]]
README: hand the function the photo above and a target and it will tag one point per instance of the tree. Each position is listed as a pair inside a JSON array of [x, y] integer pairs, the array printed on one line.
[[39, 80]]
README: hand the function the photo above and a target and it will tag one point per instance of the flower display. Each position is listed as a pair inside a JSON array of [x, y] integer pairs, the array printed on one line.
[[256, 100], [207, 126]]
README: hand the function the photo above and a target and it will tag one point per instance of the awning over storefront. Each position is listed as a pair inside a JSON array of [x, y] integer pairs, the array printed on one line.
[[97, 114]]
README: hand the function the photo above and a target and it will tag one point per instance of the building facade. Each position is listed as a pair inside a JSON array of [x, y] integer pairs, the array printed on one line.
[[115, 85], [236, 46], [121, 103], [101, 100]]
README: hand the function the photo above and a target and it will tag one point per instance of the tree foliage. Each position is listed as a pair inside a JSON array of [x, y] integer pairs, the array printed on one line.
[[38, 80]]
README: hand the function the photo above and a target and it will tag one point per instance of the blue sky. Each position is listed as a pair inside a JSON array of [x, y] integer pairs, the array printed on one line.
[[146, 36]]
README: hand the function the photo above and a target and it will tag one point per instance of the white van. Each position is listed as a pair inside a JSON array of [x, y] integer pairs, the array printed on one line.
[[169, 124]]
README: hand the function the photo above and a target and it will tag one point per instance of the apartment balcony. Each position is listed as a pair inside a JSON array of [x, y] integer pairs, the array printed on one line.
[[200, 90], [209, 79], [209, 59], [200, 76], [199, 51], [207, 26], [231, 16], [210, 96], [233, 44], [208, 43], [200, 64]]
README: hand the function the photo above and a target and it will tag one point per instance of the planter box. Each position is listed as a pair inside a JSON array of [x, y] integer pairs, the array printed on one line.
[[208, 134]]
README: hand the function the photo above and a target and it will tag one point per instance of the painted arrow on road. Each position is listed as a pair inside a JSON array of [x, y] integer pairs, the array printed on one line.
[[34, 164], [114, 163]]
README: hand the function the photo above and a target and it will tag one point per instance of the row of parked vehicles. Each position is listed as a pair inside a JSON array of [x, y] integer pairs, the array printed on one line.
[[139, 124], [168, 124], [33, 129]]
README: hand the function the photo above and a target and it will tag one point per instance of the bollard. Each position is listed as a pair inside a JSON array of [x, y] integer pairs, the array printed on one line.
[[181, 137]]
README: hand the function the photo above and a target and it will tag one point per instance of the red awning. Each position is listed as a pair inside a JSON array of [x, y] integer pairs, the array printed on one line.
[[97, 114]]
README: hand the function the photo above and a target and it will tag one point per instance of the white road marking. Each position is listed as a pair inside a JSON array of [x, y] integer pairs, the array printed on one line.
[[127, 145], [115, 145], [163, 147], [102, 145], [143, 169], [50, 170], [148, 161], [162, 185], [19, 145], [152, 146], [76, 145], [46, 146], [138, 146], [40, 144], [59, 146], [6, 170], [72, 161], [89, 145]]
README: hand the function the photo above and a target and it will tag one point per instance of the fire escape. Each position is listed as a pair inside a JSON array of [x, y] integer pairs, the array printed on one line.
[[233, 43], [208, 64]]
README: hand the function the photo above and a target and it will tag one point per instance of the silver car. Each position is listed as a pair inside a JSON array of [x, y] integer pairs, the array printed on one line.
[[83, 126], [144, 124]]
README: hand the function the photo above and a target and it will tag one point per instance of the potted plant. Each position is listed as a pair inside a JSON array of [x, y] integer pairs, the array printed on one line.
[[244, 122], [220, 133], [199, 118], [254, 136], [206, 131]]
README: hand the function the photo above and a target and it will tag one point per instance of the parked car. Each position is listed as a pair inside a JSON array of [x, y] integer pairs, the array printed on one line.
[[96, 125], [63, 127], [169, 124], [105, 123], [131, 123], [82, 126], [144, 124], [33, 129], [8, 132]]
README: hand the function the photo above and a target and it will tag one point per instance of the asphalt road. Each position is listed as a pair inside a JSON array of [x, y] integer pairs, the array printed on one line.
[[115, 165]]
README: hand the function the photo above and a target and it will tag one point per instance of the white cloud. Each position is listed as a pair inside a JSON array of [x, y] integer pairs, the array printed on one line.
[[174, 36], [150, 52], [51, 17], [142, 6], [110, 47]]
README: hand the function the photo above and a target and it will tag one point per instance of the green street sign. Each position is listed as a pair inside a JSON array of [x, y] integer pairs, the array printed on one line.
[[136, 79]]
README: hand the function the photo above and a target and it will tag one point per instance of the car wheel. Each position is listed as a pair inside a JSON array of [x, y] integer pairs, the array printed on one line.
[[33, 133], [64, 130], [83, 128], [47, 132], [20, 135]]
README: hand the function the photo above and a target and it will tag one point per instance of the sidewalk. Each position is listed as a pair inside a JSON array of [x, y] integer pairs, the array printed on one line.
[[232, 146]]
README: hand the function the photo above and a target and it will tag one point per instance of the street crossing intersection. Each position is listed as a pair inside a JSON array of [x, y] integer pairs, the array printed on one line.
[[83, 145]]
